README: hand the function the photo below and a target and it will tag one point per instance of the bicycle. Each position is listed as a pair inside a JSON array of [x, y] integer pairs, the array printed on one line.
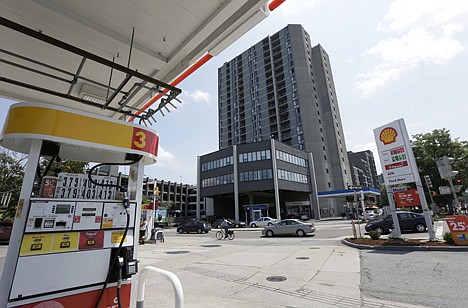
[[220, 234]]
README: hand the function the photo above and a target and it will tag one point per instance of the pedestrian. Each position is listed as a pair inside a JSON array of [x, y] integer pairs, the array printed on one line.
[[143, 225]]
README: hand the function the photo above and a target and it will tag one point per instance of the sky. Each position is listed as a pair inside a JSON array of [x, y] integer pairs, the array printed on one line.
[[389, 59]]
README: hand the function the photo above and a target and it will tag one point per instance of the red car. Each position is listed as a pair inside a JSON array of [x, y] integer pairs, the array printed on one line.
[[5, 230]]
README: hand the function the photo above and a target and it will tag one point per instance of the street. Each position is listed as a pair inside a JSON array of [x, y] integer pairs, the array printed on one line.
[[318, 271]]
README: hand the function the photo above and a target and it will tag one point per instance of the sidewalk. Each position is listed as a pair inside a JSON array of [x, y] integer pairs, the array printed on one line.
[[223, 274]]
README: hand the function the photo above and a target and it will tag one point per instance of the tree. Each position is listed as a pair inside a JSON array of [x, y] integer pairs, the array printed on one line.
[[170, 207], [11, 179], [12, 174], [429, 147], [383, 195], [70, 166]]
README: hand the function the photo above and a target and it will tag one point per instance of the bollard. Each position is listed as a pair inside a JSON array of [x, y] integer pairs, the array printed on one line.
[[173, 279], [353, 226]]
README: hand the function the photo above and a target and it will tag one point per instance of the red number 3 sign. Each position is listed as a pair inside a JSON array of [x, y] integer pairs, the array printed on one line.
[[144, 140]]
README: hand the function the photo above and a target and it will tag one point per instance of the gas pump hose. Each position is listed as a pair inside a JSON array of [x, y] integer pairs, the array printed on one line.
[[126, 204]]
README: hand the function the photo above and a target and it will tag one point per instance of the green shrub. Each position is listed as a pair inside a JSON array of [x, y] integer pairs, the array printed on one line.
[[448, 238], [375, 235]]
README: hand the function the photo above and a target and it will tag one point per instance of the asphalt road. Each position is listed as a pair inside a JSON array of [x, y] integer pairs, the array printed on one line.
[[429, 278]]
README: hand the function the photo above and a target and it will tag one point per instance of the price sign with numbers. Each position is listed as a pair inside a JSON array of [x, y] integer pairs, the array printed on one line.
[[458, 226], [78, 186]]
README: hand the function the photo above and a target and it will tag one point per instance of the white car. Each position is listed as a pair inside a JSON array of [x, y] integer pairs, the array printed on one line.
[[263, 222]]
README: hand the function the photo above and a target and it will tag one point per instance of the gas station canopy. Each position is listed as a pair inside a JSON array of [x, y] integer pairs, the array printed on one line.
[[114, 58]]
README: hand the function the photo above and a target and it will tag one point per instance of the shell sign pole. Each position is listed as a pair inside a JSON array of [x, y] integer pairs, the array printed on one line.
[[399, 167]]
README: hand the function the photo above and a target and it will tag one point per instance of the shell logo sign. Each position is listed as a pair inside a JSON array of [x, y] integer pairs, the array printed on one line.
[[388, 135]]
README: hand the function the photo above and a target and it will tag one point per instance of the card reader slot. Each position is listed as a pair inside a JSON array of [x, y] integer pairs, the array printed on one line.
[[88, 214], [61, 224]]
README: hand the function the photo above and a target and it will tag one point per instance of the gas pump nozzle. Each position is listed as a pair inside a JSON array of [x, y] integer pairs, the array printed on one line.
[[126, 201], [120, 261]]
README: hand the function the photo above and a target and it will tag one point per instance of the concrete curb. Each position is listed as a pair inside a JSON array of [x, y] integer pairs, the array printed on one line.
[[405, 248]]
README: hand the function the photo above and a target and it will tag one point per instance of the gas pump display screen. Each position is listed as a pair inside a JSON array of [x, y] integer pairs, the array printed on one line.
[[62, 209]]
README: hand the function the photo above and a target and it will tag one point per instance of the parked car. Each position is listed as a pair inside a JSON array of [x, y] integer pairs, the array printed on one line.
[[289, 227], [372, 213], [181, 220], [194, 225], [409, 221], [5, 230], [263, 222], [232, 223]]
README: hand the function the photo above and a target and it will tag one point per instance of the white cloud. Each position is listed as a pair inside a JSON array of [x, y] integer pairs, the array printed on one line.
[[199, 96], [165, 158], [424, 32], [403, 14], [296, 7], [175, 168]]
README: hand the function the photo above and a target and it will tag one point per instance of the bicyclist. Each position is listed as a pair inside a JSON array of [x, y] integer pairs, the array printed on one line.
[[225, 226]]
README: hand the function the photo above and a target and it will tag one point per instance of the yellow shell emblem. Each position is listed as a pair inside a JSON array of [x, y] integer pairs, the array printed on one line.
[[388, 135]]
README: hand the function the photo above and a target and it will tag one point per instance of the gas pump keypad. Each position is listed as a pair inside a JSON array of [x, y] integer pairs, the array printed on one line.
[[48, 223]]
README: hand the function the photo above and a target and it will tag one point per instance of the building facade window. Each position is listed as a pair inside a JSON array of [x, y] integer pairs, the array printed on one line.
[[292, 159], [218, 163], [292, 176], [256, 175], [254, 156], [218, 180]]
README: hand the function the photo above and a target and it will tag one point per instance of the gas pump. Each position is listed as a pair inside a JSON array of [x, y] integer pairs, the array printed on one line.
[[78, 247]]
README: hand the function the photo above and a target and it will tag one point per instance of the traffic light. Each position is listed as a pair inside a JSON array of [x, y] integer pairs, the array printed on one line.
[[459, 181], [427, 178], [444, 165]]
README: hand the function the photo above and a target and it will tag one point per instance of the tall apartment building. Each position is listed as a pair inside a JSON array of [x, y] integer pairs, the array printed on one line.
[[282, 88], [364, 171]]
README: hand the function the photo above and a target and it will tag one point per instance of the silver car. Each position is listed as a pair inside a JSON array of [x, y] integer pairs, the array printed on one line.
[[289, 227]]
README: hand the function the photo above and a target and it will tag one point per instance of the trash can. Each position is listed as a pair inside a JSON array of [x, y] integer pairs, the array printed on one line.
[[157, 234]]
